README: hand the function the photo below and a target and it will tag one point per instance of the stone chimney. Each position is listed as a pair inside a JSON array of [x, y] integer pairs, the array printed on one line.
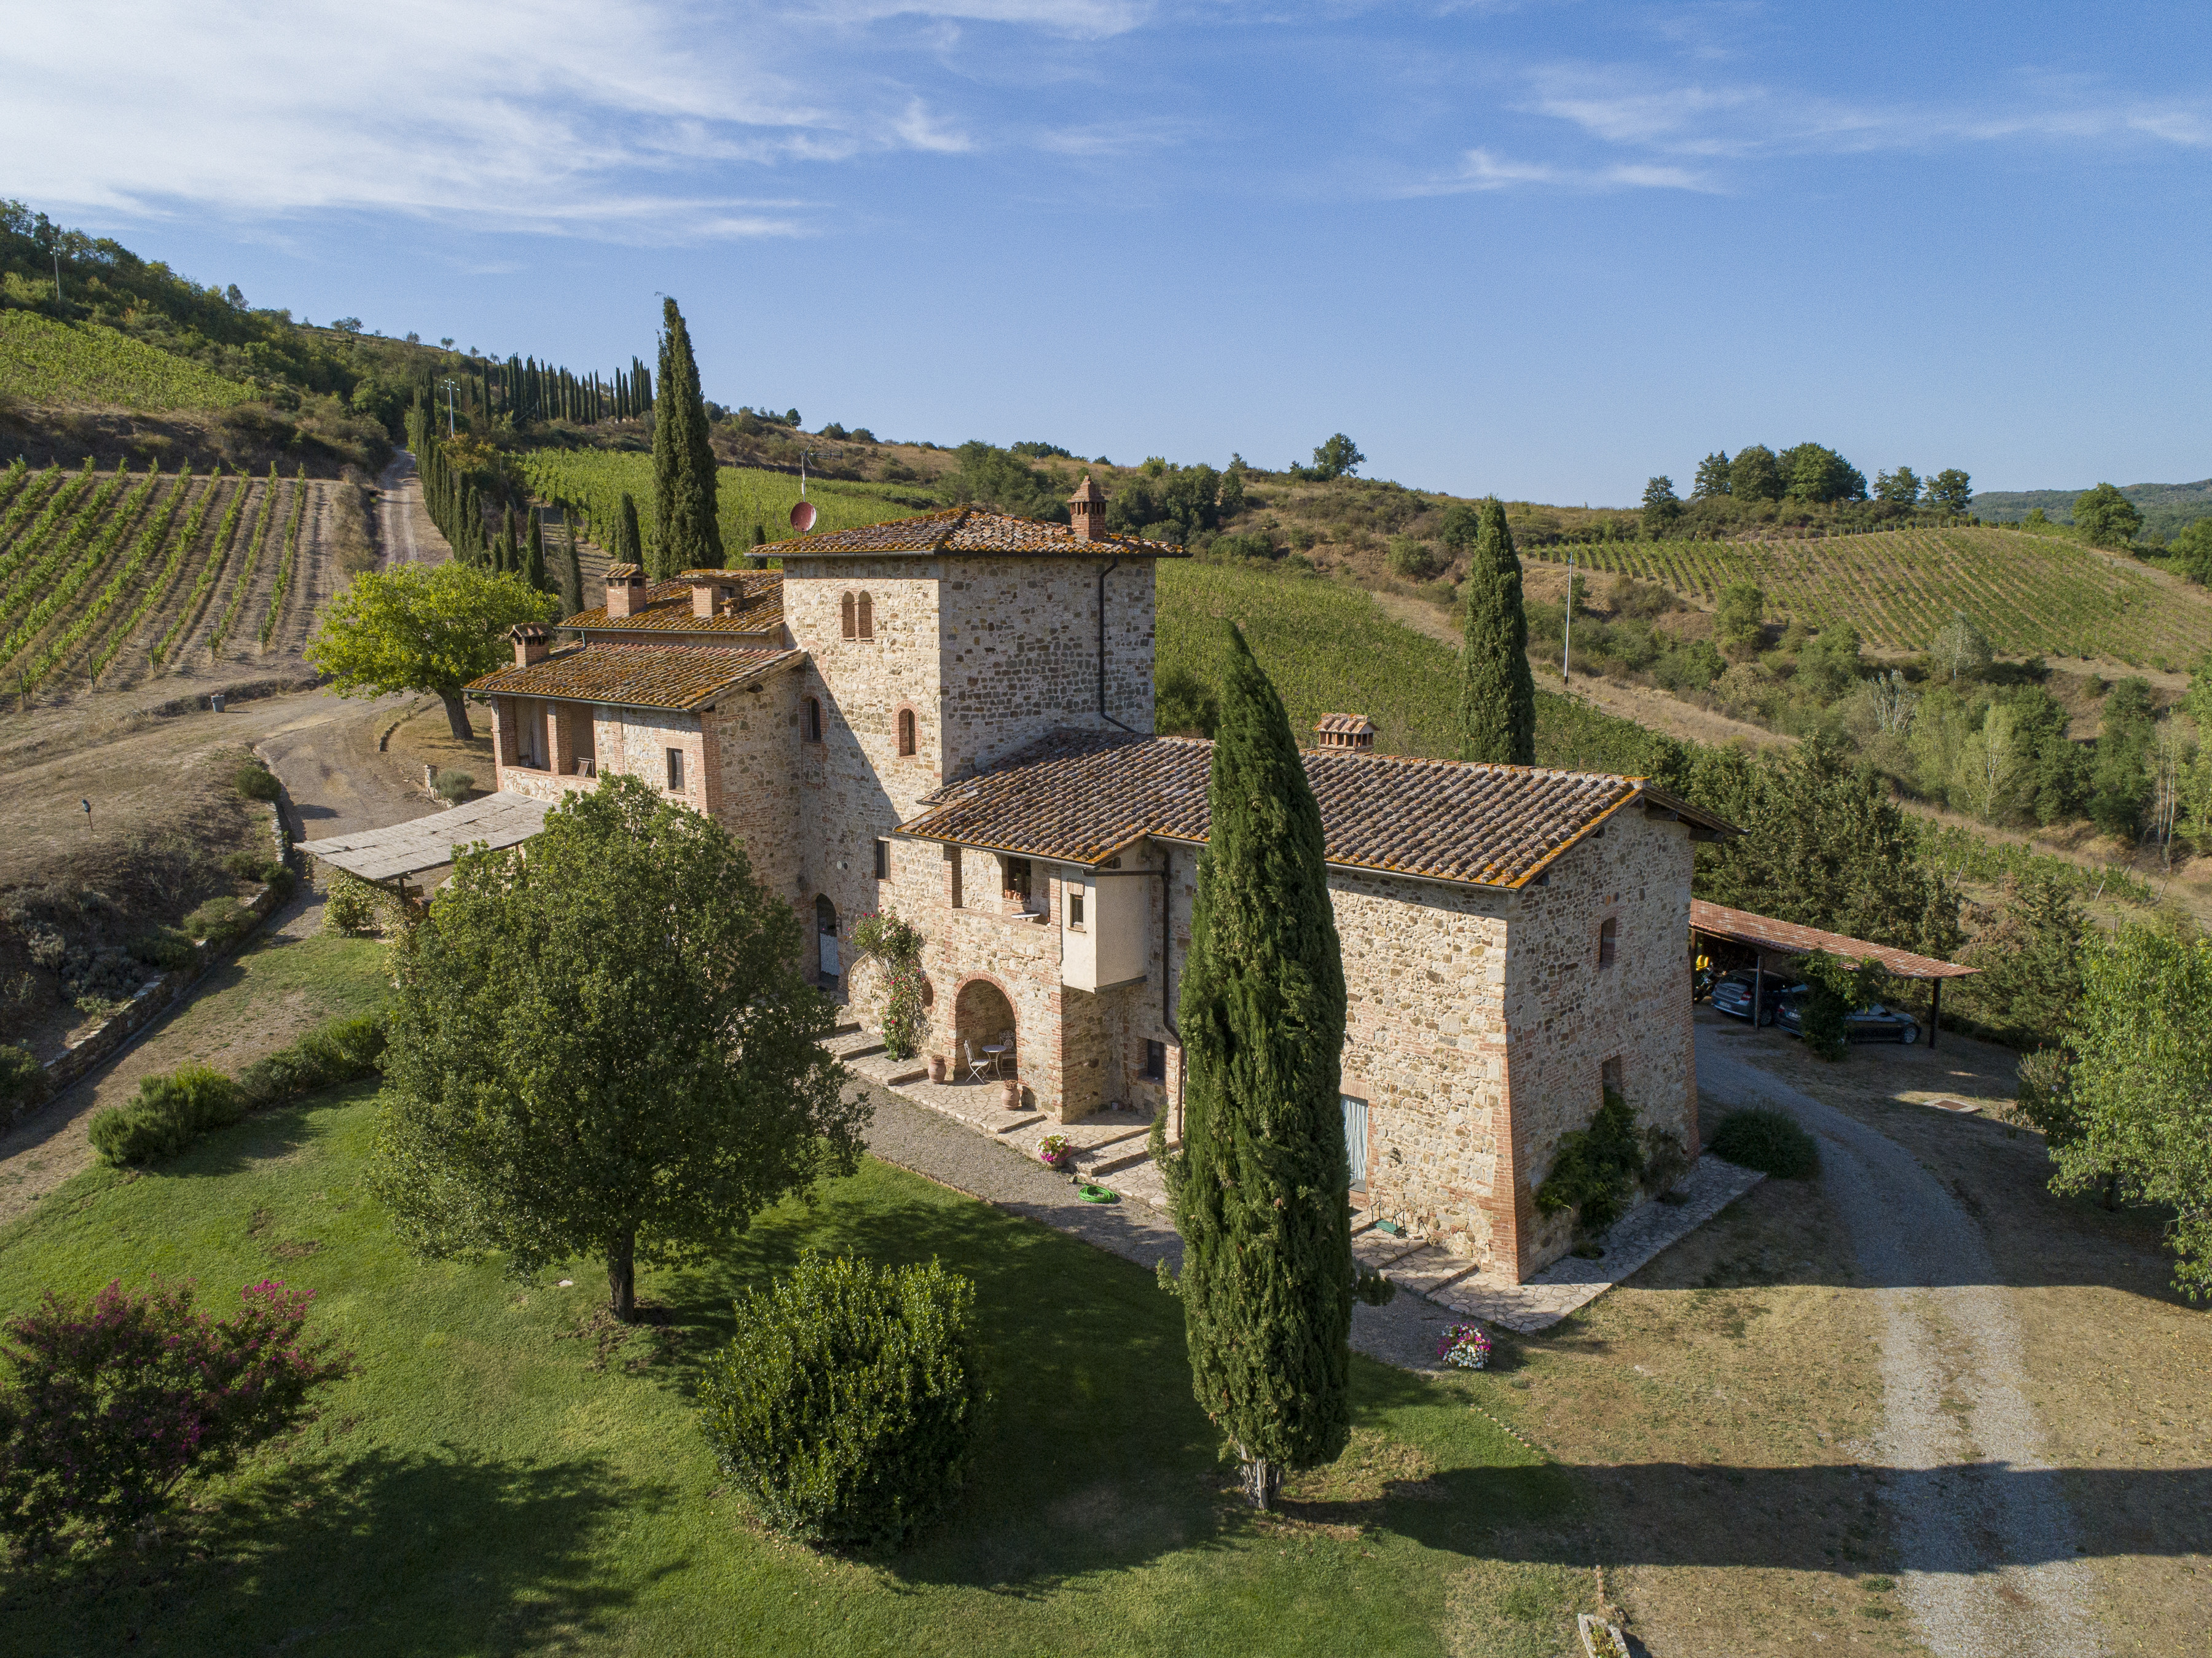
[[533, 642], [625, 590], [1346, 733], [1086, 510], [712, 591]]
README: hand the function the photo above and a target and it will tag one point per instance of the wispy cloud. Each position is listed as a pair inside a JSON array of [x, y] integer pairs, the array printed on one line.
[[1485, 169]]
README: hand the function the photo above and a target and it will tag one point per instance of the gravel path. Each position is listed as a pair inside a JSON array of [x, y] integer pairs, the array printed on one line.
[[1989, 1561], [1403, 1333]]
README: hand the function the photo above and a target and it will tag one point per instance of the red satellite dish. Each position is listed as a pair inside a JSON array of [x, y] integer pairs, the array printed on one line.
[[802, 517]]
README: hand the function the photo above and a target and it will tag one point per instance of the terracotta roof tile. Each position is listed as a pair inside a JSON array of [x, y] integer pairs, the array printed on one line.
[[1787, 937], [1079, 797], [667, 609], [685, 678], [969, 530]]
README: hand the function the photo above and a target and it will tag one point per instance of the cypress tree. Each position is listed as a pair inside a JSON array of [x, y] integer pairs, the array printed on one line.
[[686, 533], [1260, 1188], [502, 555], [1497, 692], [572, 569], [626, 533], [533, 561]]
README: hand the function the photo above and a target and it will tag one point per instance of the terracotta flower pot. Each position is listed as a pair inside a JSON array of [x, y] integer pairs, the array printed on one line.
[[1013, 1092], [937, 1067]]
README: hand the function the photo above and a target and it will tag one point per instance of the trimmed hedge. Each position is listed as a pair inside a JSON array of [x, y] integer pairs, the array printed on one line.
[[1769, 1141], [847, 1405], [171, 1111]]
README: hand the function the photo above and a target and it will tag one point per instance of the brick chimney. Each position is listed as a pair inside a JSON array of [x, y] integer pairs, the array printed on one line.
[[711, 591], [1086, 510], [533, 642], [625, 590], [1346, 733]]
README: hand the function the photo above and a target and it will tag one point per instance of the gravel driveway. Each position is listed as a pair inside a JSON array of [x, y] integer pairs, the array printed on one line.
[[1990, 1564]]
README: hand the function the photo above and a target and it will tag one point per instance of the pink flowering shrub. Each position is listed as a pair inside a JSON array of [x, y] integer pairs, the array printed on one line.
[[111, 1403]]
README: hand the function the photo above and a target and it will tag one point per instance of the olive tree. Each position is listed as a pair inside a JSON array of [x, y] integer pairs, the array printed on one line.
[[605, 1047]]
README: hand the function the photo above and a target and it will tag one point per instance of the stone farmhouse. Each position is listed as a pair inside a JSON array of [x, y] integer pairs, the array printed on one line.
[[950, 717]]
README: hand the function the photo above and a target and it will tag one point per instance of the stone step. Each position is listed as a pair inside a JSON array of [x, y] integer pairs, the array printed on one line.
[[1113, 1165], [848, 1028], [868, 1051], [900, 1079], [1023, 1122]]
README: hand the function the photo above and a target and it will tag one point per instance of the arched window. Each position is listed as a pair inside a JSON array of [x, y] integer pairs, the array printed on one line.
[[906, 730], [867, 607], [845, 608], [813, 720], [1608, 941]]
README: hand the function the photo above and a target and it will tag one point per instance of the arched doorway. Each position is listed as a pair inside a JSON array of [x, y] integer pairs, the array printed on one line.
[[830, 964], [982, 1018]]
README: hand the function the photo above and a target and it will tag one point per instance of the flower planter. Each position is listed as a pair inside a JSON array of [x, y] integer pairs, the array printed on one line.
[[1012, 1090], [937, 1067], [1599, 1638]]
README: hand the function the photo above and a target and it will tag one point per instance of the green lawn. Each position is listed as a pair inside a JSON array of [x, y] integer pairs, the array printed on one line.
[[505, 1476]]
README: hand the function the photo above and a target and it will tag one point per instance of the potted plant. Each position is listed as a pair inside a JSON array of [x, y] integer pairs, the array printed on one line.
[[1055, 1153], [1013, 1093]]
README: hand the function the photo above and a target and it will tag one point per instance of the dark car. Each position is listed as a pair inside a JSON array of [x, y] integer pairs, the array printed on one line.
[[1731, 995], [1871, 1024]]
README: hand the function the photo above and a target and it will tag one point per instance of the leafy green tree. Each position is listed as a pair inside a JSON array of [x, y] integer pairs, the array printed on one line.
[[2191, 553], [1185, 706], [2141, 1085], [1497, 692], [1739, 615], [1825, 845], [1829, 665], [423, 628], [687, 531], [1661, 507], [1900, 487], [1960, 650], [554, 1089], [626, 533], [996, 479], [1755, 475], [1712, 479], [2108, 517], [2029, 953], [2120, 775], [1338, 458], [1165, 503], [1462, 524], [1953, 490], [1835, 989], [1813, 472], [1260, 1188]]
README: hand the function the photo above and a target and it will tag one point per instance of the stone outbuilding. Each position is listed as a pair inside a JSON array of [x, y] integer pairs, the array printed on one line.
[[949, 717]]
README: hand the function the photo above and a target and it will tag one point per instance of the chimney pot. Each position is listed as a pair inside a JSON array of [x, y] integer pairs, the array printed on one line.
[[1346, 733], [711, 591], [625, 590], [1086, 510], [532, 643]]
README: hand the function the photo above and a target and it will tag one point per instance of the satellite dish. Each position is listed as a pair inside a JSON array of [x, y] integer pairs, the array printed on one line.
[[802, 517]]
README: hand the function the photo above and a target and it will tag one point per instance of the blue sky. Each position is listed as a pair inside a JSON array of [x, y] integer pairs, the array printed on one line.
[[1543, 249]]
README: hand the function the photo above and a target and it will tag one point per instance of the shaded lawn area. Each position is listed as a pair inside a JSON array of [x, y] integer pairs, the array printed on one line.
[[512, 1472]]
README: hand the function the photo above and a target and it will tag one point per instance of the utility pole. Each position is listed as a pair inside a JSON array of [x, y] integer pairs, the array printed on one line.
[[57, 277], [449, 409]]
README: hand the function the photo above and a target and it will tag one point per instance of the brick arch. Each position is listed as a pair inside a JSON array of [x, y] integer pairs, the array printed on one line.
[[983, 1011]]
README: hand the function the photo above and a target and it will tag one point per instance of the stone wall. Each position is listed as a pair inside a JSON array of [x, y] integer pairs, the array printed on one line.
[[750, 770]]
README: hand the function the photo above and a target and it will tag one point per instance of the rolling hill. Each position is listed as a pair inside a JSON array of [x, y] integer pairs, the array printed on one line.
[[58, 363], [2165, 507]]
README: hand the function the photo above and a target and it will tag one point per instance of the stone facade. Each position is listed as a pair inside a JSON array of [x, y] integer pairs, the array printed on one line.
[[1484, 1022]]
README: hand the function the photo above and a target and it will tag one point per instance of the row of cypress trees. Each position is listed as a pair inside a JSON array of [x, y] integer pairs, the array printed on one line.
[[457, 508], [527, 391]]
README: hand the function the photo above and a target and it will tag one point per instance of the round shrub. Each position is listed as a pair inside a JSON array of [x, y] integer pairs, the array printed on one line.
[[23, 1080], [256, 781], [349, 904], [847, 1405], [1769, 1141], [454, 785], [170, 1113]]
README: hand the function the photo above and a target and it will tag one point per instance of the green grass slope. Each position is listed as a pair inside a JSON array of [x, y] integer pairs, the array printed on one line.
[[48, 362], [511, 1473], [1329, 648], [2032, 595]]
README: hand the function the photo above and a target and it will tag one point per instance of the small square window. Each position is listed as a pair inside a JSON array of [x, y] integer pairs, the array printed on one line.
[[883, 860], [1156, 1062], [1075, 908], [676, 771]]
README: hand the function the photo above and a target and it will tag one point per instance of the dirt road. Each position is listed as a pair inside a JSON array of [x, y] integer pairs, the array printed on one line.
[[402, 523], [1987, 1541]]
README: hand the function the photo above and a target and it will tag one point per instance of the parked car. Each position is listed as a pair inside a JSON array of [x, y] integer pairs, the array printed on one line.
[[1870, 1024], [1731, 995]]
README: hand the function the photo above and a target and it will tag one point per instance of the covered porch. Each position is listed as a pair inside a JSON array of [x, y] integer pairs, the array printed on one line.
[[1770, 940]]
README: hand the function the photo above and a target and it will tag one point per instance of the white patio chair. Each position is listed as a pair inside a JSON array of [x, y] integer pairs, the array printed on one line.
[[976, 1066]]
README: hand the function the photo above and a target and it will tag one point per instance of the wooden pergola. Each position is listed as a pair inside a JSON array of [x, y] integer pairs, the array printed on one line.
[[1765, 936]]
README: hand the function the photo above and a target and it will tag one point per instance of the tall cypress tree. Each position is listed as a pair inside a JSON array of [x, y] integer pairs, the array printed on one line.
[[533, 558], [626, 533], [1497, 692], [687, 535], [1260, 1188], [572, 569]]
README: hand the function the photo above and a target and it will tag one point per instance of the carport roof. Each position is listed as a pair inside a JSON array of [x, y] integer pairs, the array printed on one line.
[[1788, 938], [409, 849]]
